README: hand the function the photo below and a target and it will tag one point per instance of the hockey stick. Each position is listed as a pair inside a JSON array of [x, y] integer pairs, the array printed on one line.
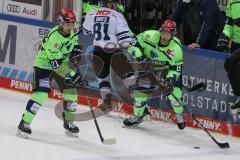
[[109, 141], [197, 87], [221, 145]]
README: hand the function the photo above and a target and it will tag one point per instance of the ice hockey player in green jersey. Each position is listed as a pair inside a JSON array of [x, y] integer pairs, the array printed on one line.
[[231, 31], [159, 46], [52, 61]]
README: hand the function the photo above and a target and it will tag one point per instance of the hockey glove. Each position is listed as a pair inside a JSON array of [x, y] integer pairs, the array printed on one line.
[[76, 55], [167, 87], [175, 81], [74, 78], [222, 43]]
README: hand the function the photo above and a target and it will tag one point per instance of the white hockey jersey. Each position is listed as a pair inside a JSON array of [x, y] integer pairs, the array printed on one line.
[[109, 27]]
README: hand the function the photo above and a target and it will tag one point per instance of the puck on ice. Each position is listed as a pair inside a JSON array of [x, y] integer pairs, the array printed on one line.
[[196, 147]]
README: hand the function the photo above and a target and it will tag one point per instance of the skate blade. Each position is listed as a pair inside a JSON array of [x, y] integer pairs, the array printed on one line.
[[133, 126], [22, 134], [70, 134]]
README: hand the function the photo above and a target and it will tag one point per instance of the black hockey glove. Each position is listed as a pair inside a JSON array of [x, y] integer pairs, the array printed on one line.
[[176, 82], [232, 61], [76, 55], [74, 78], [167, 86], [222, 43]]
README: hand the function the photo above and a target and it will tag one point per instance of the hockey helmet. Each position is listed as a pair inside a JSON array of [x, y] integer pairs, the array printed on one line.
[[169, 26], [67, 15]]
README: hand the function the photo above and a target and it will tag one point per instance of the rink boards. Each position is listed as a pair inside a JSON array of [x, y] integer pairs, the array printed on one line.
[[20, 39]]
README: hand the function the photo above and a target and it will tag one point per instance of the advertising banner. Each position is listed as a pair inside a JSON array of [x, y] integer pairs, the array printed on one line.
[[19, 44], [217, 97], [22, 9]]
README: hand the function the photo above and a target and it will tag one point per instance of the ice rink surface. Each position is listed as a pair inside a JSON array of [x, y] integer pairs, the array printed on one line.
[[152, 141]]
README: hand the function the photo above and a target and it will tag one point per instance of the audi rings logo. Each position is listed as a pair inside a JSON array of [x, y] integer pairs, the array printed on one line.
[[13, 8]]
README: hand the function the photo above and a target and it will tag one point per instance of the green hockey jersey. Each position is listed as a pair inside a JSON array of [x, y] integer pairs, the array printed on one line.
[[232, 25], [56, 48], [148, 45]]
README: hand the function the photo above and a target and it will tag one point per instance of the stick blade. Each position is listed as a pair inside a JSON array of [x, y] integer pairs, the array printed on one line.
[[224, 145], [197, 87], [109, 141]]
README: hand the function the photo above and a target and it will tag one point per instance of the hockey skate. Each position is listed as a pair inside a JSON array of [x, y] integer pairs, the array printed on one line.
[[24, 129], [70, 127], [235, 111], [134, 120], [180, 121]]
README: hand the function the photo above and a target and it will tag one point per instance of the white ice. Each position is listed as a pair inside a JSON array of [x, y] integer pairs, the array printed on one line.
[[153, 141]]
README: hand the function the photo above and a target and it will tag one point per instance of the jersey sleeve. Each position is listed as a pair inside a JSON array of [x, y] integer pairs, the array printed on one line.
[[87, 26], [122, 30], [137, 46], [228, 27], [141, 40], [176, 63]]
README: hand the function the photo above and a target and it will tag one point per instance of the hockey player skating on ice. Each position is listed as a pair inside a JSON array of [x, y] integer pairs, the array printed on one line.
[[111, 33], [160, 46], [53, 59]]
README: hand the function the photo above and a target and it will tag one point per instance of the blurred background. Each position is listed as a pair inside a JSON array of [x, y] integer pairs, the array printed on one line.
[[140, 14]]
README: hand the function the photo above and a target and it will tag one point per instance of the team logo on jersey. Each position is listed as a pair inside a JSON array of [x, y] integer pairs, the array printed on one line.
[[134, 41], [170, 53], [56, 45], [68, 46], [154, 54], [75, 30], [102, 12]]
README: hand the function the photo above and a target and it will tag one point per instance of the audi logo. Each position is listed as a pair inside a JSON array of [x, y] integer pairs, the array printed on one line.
[[13, 8]]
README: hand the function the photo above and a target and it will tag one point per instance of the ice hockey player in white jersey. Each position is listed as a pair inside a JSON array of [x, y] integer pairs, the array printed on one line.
[[111, 34]]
